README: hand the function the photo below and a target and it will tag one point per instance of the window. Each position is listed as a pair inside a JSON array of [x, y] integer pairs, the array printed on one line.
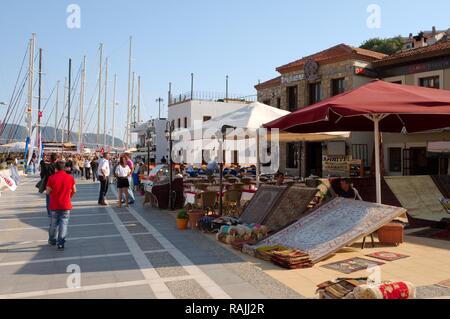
[[292, 98], [315, 93], [179, 123], [279, 103], [206, 118], [395, 159], [361, 152], [185, 122], [397, 82], [293, 155], [430, 82], [266, 102], [337, 86], [173, 123]]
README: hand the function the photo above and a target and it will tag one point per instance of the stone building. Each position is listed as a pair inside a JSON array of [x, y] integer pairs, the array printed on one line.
[[427, 66], [310, 80]]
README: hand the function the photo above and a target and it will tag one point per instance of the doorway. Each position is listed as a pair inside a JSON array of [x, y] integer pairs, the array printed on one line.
[[416, 162], [314, 159]]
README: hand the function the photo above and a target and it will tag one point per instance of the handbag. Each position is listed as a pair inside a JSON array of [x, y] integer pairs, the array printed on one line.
[[42, 185]]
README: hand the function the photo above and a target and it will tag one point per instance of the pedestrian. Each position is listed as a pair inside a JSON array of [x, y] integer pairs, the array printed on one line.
[[122, 172], [130, 190], [87, 168], [61, 188], [69, 165], [94, 167], [47, 170], [103, 176]]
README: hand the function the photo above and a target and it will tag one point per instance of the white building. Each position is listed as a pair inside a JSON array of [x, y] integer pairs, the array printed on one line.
[[159, 145]]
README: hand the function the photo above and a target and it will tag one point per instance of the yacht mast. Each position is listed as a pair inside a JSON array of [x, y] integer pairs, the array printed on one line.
[[81, 112], [56, 110], [106, 104], [114, 111], [127, 130], [99, 94], [30, 85]]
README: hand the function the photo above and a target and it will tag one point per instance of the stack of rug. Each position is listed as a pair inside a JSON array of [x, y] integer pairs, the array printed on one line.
[[285, 257], [250, 233], [360, 289]]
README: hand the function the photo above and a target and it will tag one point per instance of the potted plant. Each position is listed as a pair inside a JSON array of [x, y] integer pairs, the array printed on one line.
[[182, 220]]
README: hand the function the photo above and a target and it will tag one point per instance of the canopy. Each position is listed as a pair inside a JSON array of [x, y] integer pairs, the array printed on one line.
[[377, 106]]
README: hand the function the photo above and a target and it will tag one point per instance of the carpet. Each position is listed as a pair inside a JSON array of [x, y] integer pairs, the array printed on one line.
[[445, 283], [443, 184], [332, 226], [419, 195], [387, 256], [352, 265], [262, 204], [291, 207]]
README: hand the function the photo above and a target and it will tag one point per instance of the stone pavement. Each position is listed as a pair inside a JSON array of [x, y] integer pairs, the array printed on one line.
[[119, 253]]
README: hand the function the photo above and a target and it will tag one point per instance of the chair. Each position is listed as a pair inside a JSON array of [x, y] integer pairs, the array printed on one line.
[[206, 200], [231, 201]]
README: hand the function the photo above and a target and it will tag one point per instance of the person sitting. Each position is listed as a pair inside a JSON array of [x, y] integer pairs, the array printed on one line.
[[346, 190], [279, 177]]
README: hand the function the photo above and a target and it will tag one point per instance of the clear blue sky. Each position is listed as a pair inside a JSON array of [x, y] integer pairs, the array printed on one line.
[[246, 39]]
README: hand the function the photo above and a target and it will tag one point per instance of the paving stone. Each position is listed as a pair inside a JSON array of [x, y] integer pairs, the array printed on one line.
[[135, 228], [147, 242], [187, 289], [166, 265]]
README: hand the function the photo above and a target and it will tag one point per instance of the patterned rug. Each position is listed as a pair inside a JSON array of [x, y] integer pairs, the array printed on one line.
[[349, 266], [292, 206], [332, 226], [419, 195], [387, 256], [443, 184], [262, 204], [445, 283]]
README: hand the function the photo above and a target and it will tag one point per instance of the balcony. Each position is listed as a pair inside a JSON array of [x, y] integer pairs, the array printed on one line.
[[211, 96]]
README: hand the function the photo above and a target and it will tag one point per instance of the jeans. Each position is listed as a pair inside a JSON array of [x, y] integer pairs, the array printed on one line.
[[58, 228], [104, 184], [87, 173], [47, 203]]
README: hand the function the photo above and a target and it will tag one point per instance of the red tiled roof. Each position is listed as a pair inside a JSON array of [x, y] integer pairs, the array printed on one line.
[[438, 49], [268, 84], [334, 54]]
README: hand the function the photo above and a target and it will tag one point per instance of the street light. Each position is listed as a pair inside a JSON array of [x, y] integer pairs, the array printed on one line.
[[170, 127]]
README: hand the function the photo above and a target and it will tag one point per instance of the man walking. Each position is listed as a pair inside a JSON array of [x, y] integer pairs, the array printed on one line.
[[104, 171], [47, 170], [130, 189], [61, 188]]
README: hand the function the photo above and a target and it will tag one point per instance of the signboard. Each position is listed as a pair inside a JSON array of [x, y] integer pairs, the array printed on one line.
[[336, 166], [365, 72], [438, 64]]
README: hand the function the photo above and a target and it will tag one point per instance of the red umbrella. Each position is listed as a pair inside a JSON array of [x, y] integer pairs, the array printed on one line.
[[377, 106]]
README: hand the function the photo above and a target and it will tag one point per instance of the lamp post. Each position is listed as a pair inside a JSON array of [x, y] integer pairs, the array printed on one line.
[[170, 127], [149, 141]]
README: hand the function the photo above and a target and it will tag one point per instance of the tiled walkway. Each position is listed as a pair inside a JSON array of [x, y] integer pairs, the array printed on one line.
[[121, 253]]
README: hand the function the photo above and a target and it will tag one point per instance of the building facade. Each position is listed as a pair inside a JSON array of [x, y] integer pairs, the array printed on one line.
[[427, 66], [309, 80], [158, 147]]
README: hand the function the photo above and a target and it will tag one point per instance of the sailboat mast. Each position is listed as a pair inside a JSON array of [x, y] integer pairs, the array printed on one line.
[[106, 105], [99, 93], [30, 84], [39, 104], [63, 123], [69, 137], [139, 100], [56, 110], [127, 130], [81, 112], [114, 111]]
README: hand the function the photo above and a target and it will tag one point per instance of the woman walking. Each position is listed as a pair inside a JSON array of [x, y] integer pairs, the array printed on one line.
[[123, 172]]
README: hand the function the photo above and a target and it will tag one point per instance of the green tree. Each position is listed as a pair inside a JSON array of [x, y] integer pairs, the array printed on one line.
[[387, 46]]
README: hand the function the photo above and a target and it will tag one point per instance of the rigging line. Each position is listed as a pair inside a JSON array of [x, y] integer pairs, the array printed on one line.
[[91, 101], [17, 81], [92, 113], [13, 105], [16, 117]]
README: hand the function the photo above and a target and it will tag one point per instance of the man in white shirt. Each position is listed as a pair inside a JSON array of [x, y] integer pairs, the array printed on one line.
[[104, 171]]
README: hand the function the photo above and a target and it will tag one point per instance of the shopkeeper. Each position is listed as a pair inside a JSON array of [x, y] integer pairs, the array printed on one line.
[[346, 190]]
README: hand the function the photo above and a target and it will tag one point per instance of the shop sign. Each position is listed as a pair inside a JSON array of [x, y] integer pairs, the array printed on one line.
[[336, 165], [365, 72], [440, 64], [292, 78]]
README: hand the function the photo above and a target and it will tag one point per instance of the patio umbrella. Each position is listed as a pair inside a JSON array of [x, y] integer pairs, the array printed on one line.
[[377, 106]]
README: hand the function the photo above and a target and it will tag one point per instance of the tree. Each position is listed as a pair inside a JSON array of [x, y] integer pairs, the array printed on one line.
[[387, 45]]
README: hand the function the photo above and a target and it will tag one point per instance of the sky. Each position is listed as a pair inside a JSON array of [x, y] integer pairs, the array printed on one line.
[[244, 39]]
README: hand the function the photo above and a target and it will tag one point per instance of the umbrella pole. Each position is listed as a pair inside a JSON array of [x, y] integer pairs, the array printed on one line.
[[258, 162], [376, 121]]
